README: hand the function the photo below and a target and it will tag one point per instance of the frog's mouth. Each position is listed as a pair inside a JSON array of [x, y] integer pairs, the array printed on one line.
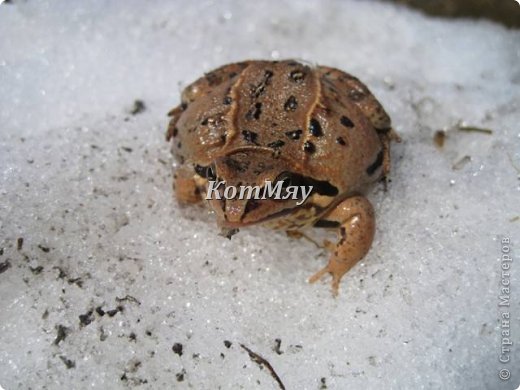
[[238, 213], [225, 224]]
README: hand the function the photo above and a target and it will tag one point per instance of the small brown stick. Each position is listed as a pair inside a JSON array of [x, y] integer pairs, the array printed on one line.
[[262, 362], [474, 129]]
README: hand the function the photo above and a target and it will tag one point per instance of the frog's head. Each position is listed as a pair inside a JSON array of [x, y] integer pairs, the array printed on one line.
[[251, 186], [240, 181]]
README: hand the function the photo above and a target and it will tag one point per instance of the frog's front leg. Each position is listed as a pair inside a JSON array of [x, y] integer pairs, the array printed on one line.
[[356, 231], [185, 187]]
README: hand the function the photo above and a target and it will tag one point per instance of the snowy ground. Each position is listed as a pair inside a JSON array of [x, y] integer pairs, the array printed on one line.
[[112, 277]]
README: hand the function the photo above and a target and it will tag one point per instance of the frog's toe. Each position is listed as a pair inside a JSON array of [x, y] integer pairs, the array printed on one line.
[[336, 278], [318, 275], [337, 274]]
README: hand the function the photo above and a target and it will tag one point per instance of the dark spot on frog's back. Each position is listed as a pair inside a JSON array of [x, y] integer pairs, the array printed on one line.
[[315, 128], [276, 144], [297, 75], [376, 164], [346, 122], [254, 112], [309, 147], [213, 79], [294, 134], [257, 90], [250, 136], [385, 130], [227, 100], [356, 95], [341, 141], [291, 104]]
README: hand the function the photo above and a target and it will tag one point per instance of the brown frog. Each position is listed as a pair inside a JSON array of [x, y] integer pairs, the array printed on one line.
[[255, 121]]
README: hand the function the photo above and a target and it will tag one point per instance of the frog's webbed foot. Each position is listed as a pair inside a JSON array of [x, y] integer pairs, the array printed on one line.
[[185, 187], [357, 226]]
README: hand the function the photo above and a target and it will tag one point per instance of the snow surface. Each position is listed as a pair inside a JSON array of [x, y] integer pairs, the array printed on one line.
[[87, 185]]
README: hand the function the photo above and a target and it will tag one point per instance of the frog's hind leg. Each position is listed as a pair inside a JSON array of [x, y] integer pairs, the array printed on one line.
[[185, 187], [356, 220]]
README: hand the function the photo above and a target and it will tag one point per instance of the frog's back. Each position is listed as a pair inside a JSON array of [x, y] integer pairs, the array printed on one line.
[[320, 119]]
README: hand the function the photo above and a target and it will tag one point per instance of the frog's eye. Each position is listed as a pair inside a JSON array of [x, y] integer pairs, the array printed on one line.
[[206, 172], [211, 172], [286, 178], [290, 179]]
